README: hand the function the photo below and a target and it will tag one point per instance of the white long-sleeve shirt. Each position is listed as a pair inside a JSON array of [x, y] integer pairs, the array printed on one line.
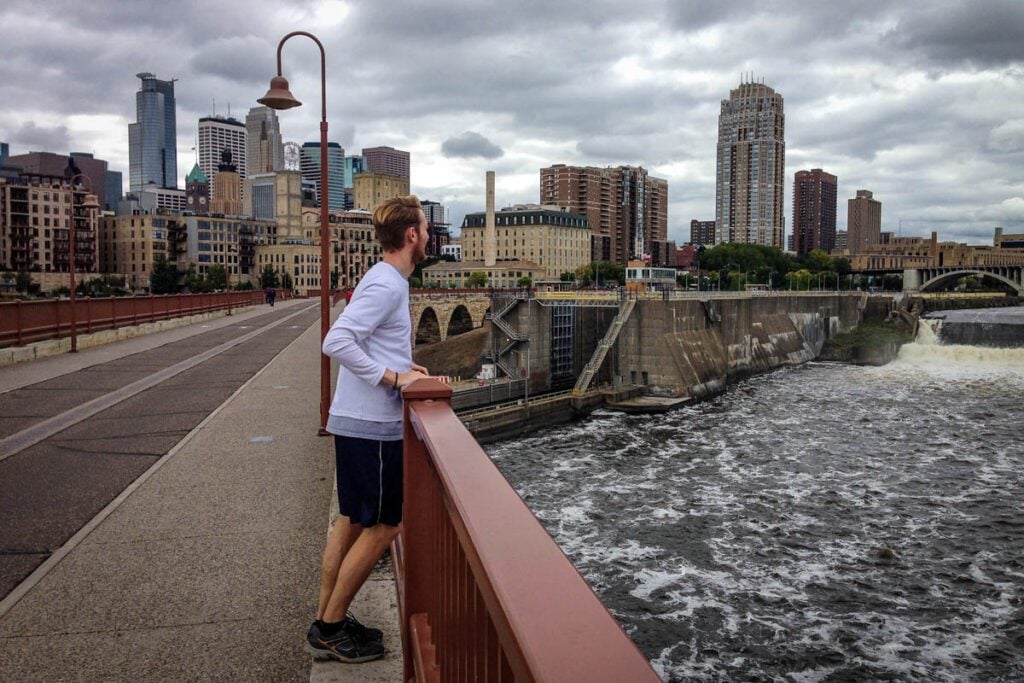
[[373, 334]]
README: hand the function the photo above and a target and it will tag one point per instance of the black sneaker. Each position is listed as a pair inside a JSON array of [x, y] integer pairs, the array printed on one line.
[[359, 631], [343, 646]]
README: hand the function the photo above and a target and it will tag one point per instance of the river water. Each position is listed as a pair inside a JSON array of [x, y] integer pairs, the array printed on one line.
[[824, 522]]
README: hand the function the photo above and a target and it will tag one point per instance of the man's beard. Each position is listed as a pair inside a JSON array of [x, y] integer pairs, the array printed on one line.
[[421, 253]]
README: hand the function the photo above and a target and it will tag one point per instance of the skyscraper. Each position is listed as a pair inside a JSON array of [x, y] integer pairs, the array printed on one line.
[[216, 134], [152, 139], [751, 162], [310, 165], [227, 187], [386, 161], [863, 221], [264, 149], [814, 211], [626, 208]]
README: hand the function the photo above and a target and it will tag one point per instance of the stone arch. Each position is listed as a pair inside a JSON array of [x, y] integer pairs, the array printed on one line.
[[428, 329], [460, 321], [957, 274]]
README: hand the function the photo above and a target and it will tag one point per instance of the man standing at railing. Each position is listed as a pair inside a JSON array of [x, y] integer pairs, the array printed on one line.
[[372, 340]]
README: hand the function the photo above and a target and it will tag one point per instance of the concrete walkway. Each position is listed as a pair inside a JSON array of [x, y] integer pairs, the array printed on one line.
[[208, 566]]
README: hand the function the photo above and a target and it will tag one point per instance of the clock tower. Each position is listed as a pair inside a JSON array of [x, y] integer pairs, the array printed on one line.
[[197, 191]]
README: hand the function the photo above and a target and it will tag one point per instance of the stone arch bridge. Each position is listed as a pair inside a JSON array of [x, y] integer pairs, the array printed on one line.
[[437, 316]]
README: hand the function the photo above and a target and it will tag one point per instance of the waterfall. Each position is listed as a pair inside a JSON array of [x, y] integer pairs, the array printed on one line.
[[928, 351]]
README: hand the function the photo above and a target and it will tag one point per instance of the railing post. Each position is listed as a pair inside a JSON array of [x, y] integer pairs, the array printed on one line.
[[419, 526]]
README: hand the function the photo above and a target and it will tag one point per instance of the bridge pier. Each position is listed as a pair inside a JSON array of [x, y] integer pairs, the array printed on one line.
[[911, 280]]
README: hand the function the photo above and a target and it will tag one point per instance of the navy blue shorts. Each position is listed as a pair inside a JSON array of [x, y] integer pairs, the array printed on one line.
[[369, 480]]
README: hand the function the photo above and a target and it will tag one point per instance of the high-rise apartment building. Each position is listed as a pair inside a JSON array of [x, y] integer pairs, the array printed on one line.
[[37, 212], [751, 162], [863, 221], [702, 233], [216, 134], [310, 166], [625, 207], [264, 148], [152, 139], [386, 161], [814, 211]]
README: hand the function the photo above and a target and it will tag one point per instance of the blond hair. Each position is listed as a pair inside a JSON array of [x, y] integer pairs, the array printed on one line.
[[393, 218]]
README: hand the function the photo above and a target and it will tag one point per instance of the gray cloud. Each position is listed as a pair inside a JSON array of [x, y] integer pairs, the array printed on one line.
[[470, 144], [916, 101], [30, 137], [978, 33]]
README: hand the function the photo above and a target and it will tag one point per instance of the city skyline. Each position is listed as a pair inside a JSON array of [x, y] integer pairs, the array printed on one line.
[[920, 105]]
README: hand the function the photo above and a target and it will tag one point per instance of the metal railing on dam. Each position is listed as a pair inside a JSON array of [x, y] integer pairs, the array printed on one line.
[[484, 592]]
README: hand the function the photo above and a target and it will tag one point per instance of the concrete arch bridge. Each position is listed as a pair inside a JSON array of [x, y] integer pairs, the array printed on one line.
[[437, 316], [929, 279]]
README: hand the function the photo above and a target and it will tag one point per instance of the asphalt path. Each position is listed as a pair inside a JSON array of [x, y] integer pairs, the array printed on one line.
[[51, 489]]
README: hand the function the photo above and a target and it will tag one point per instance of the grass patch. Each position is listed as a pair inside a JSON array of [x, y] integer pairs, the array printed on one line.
[[870, 334]]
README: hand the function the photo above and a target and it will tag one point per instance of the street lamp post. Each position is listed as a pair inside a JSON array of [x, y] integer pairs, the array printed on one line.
[[279, 97], [89, 203]]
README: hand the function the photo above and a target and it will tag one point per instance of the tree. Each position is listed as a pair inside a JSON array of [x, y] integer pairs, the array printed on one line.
[[818, 261], [217, 277], [195, 282], [163, 278], [335, 276], [415, 283], [608, 272], [477, 278], [525, 281], [567, 276], [799, 279], [268, 278], [286, 280], [23, 281]]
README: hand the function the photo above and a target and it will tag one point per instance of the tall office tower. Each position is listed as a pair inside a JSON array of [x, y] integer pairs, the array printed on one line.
[[354, 164], [5, 152], [264, 149], [258, 197], [627, 208], [310, 166], [702, 233], [152, 139], [386, 161], [216, 134], [863, 221], [227, 187], [113, 190], [814, 211], [751, 162]]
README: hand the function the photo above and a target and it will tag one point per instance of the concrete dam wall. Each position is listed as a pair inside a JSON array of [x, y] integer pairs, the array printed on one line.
[[680, 347]]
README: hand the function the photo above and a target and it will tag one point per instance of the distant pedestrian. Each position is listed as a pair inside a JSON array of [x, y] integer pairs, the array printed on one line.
[[372, 342], [271, 294]]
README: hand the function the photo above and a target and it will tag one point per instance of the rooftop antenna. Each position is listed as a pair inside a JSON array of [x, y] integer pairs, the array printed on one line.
[[214, 100]]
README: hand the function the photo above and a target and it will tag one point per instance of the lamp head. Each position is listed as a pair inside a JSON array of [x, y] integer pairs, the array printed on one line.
[[90, 202], [279, 97]]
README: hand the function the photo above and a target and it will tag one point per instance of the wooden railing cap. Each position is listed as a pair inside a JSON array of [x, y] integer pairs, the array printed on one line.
[[423, 389]]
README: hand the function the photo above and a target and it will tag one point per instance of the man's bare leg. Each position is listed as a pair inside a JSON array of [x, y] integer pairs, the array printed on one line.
[[356, 567], [340, 539]]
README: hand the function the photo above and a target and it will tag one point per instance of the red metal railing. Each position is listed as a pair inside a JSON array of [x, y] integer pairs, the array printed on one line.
[[484, 592], [24, 322]]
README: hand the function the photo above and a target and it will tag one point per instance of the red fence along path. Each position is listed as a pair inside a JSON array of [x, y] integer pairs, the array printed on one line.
[[484, 592], [24, 322]]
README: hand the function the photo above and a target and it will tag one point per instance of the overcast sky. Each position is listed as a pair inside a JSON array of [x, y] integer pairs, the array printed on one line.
[[920, 102]]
